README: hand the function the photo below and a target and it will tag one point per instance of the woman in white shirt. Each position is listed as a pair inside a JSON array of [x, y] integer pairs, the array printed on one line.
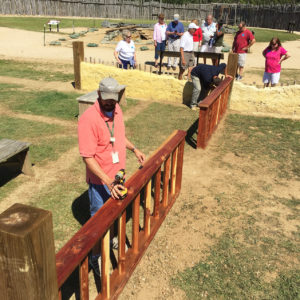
[[125, 51]]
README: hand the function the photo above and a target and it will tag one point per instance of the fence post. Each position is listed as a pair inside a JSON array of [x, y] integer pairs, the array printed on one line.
[[27, 254], [78, 57]]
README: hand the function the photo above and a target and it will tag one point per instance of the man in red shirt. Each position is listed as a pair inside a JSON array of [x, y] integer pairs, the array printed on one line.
[[102, 145], [243, 40]]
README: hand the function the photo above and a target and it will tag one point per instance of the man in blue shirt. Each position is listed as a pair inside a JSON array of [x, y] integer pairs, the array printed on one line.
[[174, 32], [203, 78]]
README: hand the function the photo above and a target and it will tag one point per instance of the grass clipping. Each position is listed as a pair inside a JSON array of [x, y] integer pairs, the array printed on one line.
[[281, 100], [139, 84]]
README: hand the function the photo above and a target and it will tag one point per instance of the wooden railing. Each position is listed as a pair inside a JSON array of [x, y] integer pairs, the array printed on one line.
[[166, 187], [212, 109]]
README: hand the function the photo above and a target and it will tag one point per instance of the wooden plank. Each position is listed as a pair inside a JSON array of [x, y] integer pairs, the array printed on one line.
[[179, 166], [84, 279], [147, 211], [9, 148], [121, 240], [135, 223], [173, 171], [166, 181], [105, 260], [232, 64], [157, 193], [26, 273]]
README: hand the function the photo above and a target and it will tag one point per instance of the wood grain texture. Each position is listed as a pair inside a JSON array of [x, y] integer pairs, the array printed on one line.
[[121, 240], [105, 263], [9, 148], [27, 254], [84, 279]]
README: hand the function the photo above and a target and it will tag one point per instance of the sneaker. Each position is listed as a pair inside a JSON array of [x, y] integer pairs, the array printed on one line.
[[174, 68], [168, 67], [193, 107], [239, 77], [95, 263]]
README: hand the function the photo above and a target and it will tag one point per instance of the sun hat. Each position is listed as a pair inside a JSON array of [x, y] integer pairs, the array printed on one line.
[[110, 88], [176, 17], [193, 26]]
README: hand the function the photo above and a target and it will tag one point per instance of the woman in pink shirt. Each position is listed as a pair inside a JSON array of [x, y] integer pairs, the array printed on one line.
[[275, 55], [159, 36]]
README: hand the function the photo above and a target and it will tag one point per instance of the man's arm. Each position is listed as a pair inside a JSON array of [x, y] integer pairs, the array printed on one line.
[[94, 167], [182, 56], [139, 154]]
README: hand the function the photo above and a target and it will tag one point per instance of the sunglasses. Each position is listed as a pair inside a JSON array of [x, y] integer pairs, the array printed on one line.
[[128, 36]]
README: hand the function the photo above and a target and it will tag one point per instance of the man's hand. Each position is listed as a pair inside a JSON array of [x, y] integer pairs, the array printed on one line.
[[155, 44], [245, 49], [140, 156], [116, 191], [183, 62]]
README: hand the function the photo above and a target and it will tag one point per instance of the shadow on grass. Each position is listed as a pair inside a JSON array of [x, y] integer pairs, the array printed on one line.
[[190, 140], [7, 173]]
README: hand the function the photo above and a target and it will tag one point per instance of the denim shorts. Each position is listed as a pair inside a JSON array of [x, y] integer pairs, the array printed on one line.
[[98, 195], [159, 47]]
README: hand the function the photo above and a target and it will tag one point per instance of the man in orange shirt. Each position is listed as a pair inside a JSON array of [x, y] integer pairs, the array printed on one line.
[[103, 143]]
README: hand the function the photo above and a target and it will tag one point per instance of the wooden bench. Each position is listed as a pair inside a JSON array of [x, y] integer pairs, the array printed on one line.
[[89, 99], [16, 152], [197, 54]]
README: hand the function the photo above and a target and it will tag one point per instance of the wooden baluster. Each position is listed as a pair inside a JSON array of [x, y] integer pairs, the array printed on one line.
[[147, 212], [122, 241], [179, 167], [84, 279], [157, 193], [90, 60], [166, 181], [105, 278], [144, 67], [135, 224], [173, 171]]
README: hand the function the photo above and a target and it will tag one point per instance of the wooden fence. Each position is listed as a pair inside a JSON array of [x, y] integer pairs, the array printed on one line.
[[27, 263], [212, 109], [123, 9], [267, 16]]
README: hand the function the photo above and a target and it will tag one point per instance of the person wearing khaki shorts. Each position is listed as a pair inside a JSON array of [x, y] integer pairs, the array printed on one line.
[[186, 51]]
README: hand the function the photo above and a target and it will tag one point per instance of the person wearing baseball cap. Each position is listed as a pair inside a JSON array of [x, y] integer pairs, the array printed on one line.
[[102, 145], [187, 50], [174, 32]]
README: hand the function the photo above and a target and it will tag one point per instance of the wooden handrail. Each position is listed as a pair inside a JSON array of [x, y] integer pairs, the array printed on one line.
[[213, 96], [212, 109], [77, 248]]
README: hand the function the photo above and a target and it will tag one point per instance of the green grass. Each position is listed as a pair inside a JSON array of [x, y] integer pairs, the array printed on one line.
[[265, 140], [32, 71], [46, 103], [265, 35]]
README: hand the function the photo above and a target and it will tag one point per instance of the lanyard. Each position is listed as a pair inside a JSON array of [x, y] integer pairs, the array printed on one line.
[[112, 130]]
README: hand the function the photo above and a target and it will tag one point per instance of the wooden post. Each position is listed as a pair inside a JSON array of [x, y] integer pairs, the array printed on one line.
[[78, 57], [135, 224], [105, 260], [232, 64], [27, 254], [147, 208], [122, 241], [166, 181], [84, 279]]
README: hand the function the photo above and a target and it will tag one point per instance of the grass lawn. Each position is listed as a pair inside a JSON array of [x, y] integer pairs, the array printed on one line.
[[256, 256], [32, 71], [46, 103]]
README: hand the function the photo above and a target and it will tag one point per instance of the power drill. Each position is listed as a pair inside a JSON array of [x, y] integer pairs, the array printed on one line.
[[119, 179]]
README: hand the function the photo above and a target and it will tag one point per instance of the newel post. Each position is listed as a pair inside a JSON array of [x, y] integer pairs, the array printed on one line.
[[78, 57], [27, 254]]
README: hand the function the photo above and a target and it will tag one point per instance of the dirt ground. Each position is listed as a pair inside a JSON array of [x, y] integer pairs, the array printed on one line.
[[151, 278]]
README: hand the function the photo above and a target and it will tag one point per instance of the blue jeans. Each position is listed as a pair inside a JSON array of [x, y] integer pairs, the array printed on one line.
[[126, 63], [159, 47], [98, 195]]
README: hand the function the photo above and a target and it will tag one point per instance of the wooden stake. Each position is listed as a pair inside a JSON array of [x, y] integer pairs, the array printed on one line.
[[78, 57]]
